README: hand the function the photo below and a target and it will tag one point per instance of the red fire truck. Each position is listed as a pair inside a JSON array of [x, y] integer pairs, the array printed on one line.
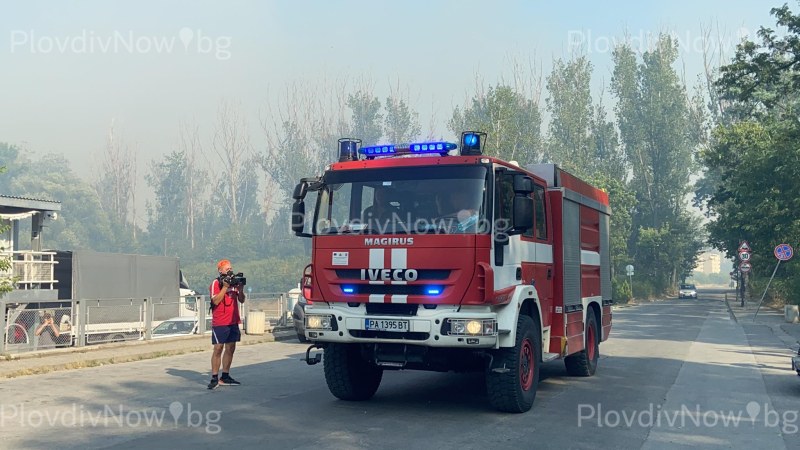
[[433, 256]]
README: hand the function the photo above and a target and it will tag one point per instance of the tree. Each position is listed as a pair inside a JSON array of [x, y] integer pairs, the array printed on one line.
[[510, 118], [116, 187], [6, 282], [660, 128], [235, 161], [402, 124], [168, 178], [366, 116], [569, 140], [757, 193]]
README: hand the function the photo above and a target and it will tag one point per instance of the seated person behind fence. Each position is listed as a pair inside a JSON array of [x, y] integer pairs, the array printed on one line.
[[381, 210], [48, 332]]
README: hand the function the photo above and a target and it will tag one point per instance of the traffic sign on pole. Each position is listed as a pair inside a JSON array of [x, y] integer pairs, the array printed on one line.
[[744, 256], [745, 267], [784, 252], [744, 247]]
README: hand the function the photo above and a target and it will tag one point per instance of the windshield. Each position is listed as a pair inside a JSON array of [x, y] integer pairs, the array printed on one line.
[[687, 286], [442, 199]]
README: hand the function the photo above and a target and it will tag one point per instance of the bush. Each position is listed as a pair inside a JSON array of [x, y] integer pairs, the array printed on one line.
[[621, 290]]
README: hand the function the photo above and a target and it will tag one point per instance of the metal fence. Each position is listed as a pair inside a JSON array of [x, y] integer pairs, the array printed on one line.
[[33, 325]]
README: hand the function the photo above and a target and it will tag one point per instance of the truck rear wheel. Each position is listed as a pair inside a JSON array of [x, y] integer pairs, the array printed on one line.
[[349, 376], [584, 363], [514, 376]]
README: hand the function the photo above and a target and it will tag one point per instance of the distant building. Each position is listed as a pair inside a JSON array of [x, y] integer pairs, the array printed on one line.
[[709, 262]]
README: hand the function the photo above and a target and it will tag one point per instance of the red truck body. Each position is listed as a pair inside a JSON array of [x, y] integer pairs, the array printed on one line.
[[446, 296]]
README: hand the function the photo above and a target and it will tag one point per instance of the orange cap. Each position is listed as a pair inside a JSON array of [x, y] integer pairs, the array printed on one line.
[[222, 263]]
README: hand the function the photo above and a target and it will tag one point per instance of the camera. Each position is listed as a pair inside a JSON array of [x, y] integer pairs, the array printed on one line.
[[232, 279]]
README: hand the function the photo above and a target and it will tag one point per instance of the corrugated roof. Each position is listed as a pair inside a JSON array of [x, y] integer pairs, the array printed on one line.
[[28, 198]]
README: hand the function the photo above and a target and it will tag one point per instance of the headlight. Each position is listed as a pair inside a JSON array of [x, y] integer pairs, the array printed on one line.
[[472, 327], [318, 322]]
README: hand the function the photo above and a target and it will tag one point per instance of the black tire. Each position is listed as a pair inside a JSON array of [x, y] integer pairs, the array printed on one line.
[[515, 390], [584, 363], [348, 375]]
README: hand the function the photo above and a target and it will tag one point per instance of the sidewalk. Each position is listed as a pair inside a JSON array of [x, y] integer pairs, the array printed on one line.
[[788, 333], [725, 372], [99, 355]]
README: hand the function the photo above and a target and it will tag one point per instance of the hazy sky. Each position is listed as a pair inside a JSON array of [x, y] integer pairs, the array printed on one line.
[[68, 68]]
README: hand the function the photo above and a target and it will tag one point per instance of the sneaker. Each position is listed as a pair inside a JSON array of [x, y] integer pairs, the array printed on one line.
[[213, 384], [228, 381]]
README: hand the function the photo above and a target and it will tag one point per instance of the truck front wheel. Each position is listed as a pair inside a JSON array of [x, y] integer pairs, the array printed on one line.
[[348, 374], [584, 363], [513, 377]]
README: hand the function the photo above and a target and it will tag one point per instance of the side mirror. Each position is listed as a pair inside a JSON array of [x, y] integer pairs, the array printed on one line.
[[523, 184], [299, 218], [523, 214], [300, 191]]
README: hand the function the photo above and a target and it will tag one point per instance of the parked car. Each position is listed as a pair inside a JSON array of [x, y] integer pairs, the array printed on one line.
[[299, 318], [178, 326], [687, 291]]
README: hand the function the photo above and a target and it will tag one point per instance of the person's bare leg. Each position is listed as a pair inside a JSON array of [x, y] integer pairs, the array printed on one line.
[[227, 357], [216, 358]]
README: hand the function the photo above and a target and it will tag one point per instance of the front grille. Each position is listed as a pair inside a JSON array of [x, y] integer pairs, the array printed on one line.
[[409, 336], [391, 309]]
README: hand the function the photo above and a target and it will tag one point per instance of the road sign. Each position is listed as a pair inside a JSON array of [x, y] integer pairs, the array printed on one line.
[[744, 256], [745, 267], [629, 269], [784, 252], [744, 247]]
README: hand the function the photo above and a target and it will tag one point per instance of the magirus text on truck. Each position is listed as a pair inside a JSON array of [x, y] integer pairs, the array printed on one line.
[[433, 256]]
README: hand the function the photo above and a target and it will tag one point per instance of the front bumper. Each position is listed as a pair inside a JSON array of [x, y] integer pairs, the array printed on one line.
[[425, 328]]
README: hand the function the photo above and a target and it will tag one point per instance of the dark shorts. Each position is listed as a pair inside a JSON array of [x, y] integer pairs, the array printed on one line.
[[225, 334]]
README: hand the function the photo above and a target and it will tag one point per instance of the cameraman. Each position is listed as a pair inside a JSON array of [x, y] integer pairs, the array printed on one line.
[[226, 294]]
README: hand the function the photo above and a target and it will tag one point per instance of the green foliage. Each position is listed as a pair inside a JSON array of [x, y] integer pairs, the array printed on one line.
[[6, 283], [754, 194], [367, 118], [512, 121], [570, 141], [660, 128], [621, 290], [402, 124]]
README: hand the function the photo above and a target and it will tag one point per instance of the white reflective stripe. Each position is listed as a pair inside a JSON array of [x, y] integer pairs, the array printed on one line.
[[376, 298], [399, 261], [399, 258], [399, 299], [376, 258], [590, 258], [376, 262]]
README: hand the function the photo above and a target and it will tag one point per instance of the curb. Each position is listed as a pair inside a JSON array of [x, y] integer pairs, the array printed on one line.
[[91, 361]]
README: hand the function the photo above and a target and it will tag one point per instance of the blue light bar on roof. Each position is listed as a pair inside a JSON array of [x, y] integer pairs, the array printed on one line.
[[432, 147], [418, 148], [378, 150]]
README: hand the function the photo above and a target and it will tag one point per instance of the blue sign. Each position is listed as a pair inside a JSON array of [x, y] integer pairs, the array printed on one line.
[[784, 252]]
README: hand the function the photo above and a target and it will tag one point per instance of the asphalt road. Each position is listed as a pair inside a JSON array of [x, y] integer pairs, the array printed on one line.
[[676, 373]]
